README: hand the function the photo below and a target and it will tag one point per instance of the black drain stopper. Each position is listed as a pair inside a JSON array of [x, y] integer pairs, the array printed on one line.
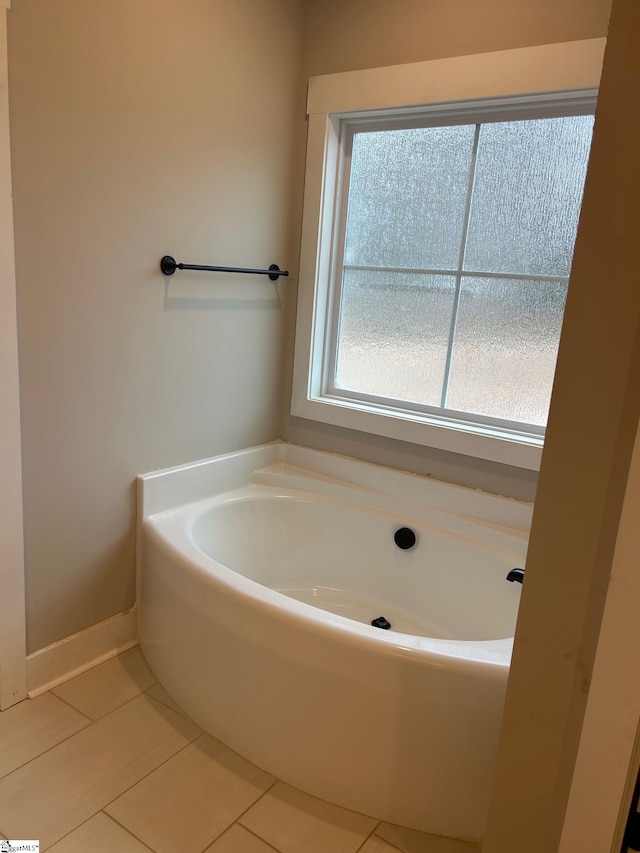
[[404, 538], [381, 622]]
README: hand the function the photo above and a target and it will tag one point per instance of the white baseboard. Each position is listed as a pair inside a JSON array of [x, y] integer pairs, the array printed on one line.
[[67, 658]]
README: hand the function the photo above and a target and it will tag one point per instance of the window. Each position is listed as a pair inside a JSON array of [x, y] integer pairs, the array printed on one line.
[[443, 244], [455, 249]]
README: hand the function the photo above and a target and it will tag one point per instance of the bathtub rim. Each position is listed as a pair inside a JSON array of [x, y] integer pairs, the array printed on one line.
[[169, 489]]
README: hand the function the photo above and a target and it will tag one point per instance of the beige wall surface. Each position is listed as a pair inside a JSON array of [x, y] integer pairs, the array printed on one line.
[[605, 771], [140, 128], [343, 36]]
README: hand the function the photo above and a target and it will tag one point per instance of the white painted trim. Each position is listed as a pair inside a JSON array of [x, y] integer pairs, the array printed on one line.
[[547, 72], [543, 68], [448, 436], [67, 658], [12, 593]]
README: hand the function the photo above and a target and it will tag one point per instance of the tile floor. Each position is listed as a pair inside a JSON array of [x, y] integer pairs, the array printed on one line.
[[107, 762]]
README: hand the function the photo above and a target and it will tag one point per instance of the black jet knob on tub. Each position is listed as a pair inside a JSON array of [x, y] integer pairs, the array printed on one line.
[[516, 575], [404, 538]]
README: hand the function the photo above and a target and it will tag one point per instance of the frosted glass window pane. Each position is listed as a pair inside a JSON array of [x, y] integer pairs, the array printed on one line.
[[393, 333], [505, 348], [527, 195], [407, 197]]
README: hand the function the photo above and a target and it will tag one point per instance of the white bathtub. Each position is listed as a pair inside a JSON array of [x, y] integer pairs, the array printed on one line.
[[260, 573]]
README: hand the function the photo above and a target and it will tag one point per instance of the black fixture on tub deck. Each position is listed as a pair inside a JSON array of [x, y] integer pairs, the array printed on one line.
[[405, 538], [516, 575], [169, 265]]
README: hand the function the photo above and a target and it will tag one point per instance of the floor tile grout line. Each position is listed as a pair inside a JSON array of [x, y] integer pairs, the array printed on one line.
[[68, 704], [243, 813], [110, 711], [126, 829], [201, 733], [255, 835], [166, 704], [45, 751], [105, 806], [90, 723], [91, 817], [253, 832], [71, 705], [62, 837], [364, 841], [375, 832], [162, 763], [264, 793]]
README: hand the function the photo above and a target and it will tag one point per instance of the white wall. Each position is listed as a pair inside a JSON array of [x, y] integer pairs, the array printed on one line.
[[139, 128]]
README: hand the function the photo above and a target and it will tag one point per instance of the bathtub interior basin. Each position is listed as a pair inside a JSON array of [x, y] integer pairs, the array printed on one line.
[[341, 556]]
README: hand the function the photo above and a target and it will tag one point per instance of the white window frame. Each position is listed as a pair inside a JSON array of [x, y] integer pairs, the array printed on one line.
[[561, 76]]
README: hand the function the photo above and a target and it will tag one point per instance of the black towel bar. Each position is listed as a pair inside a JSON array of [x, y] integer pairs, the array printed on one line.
[[169, 265]]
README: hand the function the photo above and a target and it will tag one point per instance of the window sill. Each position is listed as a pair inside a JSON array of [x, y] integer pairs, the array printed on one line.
[[505, 446]]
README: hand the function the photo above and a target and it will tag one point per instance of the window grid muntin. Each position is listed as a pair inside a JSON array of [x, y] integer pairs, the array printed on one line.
[[392, 403], [461, 254], [471, 273], [522, 109]]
